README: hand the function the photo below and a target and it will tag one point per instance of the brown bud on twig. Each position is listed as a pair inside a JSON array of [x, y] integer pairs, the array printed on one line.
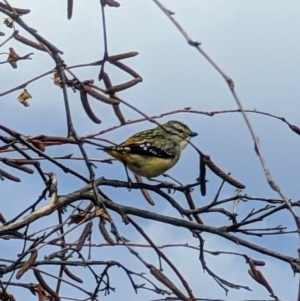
[[259, 278], [44, 285], [111, 3], [122, 56], [163, 279], [19, 166], [85, 233], [87, 108], [202, 176], [72, 276], [119, 114], [106, 80], [42, 295], [127, 85], [70, 9], [8, 176], [27, 265], [222, 174], [145, 192], [258, 263], [116, 107], [19, 11], [127, 70], [38, 144], [104, 233], [99, 96], [294, 128], [26, 161], [30, 43]]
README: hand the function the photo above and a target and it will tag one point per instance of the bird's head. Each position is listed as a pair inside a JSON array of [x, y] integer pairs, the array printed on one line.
[[178, 131]]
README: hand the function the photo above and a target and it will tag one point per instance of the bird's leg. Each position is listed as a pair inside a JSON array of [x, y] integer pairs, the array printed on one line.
[[128, 178]]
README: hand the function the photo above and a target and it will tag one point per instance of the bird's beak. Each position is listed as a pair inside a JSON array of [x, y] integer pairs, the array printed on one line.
[[193, 134]]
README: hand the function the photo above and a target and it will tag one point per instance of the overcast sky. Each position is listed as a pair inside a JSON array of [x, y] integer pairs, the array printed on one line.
[[255, 42]]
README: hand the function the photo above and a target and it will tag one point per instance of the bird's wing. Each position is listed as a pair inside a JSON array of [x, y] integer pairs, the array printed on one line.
[[162, 148]]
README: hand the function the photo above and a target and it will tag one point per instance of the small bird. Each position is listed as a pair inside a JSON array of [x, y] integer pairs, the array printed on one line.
[[152, 152]]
